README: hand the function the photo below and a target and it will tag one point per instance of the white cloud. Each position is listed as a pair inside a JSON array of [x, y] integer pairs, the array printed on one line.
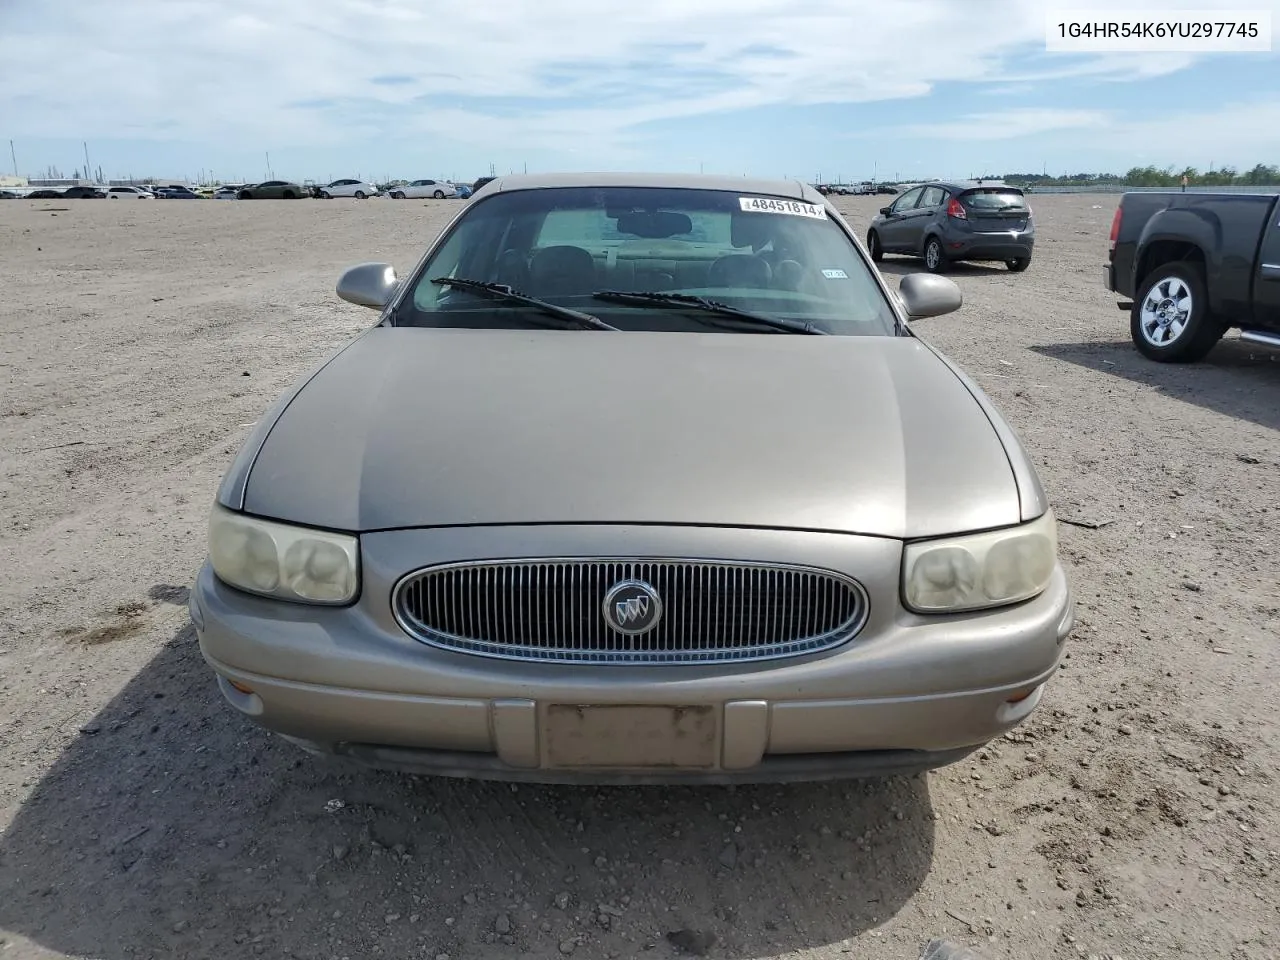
[[1006, 124], [235, 70], [1240, 130]]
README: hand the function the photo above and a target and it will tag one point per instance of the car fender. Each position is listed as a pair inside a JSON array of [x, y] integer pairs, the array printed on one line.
[[1032, 500], [231, 490], [1194, 229]]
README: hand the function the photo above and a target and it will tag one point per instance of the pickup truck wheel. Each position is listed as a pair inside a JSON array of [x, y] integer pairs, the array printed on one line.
[[1018, 264], [1170, 321], [935, 260], [873, 246]]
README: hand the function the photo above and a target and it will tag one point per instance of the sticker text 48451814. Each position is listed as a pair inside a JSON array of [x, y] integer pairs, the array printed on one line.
[[794, 208]]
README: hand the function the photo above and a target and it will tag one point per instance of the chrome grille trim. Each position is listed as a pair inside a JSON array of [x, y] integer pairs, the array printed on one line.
[[547, 609]]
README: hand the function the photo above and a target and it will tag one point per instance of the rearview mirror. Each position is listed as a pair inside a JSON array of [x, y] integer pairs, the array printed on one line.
[[368, 285], [886, 210], [929, 295]]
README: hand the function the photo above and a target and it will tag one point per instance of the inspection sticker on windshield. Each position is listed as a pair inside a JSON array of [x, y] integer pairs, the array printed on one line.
[[793, 207], [835, 274]]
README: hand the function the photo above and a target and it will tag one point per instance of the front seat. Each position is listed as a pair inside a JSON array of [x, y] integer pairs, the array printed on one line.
[[562, 271], [512, 269], [740, 270]]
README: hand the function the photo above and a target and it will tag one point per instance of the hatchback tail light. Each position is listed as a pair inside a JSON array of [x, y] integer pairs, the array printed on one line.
[[1115, 229], [956, 209]]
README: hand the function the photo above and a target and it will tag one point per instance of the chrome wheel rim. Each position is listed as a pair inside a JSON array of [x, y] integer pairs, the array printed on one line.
[[1165, 311], [931, 255]]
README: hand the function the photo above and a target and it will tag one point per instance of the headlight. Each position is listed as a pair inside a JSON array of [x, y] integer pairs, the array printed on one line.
[[982, 569], [281, 560]]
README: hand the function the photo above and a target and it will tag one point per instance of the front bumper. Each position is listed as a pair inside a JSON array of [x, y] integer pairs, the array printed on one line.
[[908, 693]]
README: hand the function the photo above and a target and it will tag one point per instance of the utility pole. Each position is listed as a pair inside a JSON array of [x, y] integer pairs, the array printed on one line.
[[85, 144], [270, 175], [15, 158]]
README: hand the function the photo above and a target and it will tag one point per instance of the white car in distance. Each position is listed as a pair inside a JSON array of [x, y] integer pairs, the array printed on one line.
[[128, 193], [420, 189], [228, 191], [348, 188]]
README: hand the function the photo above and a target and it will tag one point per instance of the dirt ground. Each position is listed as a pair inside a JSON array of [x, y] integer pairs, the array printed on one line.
[[1134, 815]]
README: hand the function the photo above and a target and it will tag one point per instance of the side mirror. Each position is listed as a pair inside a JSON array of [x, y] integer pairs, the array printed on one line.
[[368, 285], [886, 210], [929, 295]]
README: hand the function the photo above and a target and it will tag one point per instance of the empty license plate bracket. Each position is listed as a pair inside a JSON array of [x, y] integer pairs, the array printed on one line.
[[631, 736]]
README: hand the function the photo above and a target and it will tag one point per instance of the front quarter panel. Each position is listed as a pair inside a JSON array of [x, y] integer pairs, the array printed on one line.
[[231, 490], [1031, 496]]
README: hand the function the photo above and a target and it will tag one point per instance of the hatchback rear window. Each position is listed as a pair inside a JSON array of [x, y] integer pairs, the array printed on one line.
[[993, 199]]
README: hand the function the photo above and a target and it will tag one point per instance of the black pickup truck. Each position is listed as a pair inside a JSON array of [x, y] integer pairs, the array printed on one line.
[[1194, 265]]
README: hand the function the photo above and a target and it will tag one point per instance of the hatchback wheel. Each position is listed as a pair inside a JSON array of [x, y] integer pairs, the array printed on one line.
[[1170, 321], [1018, 264], [325, 195], [439, 194], [360, 194], [935, 260], [873, 246], [397, 195]]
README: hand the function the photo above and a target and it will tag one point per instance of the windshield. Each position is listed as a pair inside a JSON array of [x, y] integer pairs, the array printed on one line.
[[766, 255], [993, 198]]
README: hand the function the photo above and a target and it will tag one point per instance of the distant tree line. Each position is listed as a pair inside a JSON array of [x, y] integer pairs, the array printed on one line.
[[1262, 175]]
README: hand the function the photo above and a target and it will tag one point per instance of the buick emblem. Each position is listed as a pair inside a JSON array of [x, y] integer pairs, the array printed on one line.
[[632, 607]]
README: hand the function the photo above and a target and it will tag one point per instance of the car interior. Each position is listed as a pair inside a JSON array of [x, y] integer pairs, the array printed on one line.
[[647, 251]]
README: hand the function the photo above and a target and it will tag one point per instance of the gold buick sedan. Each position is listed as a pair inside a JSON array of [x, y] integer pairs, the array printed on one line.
[[490, 538]]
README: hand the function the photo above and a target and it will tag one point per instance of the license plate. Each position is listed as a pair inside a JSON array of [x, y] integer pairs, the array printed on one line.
[[631, 736]]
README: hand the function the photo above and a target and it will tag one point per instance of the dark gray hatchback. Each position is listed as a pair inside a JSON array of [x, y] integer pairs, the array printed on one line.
[[962, 220]]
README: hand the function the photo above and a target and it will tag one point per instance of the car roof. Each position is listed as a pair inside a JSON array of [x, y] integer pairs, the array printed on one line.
[[957, 185], [792, 189]]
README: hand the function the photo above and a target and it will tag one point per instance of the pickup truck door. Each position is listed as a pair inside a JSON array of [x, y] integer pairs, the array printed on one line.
[[1266, 296]]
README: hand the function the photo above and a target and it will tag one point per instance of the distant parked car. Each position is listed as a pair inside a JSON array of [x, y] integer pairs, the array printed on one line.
[[347, 188], [273, 190], [82, 193], [128, 193], [416, 190], [228, 191], [888, 188], [177, 193], [464, 191], [45, 194], [9, 195], [948, 221]]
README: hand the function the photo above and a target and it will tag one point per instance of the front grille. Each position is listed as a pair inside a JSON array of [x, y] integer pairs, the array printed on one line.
[[554, 610]]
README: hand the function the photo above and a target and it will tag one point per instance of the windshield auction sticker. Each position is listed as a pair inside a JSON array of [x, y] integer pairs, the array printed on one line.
[[792, 207]]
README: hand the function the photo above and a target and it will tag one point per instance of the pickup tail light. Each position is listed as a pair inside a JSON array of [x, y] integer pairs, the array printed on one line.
[[1115, 230], [956, 209]]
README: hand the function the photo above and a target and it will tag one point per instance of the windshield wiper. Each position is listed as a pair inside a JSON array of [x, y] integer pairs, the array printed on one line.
[[686, 300], [503, 292]]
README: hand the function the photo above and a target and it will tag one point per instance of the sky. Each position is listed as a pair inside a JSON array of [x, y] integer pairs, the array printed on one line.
[[819, 90]]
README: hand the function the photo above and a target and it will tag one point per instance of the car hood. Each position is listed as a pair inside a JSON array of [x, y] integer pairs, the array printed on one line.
[[415, 427]]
